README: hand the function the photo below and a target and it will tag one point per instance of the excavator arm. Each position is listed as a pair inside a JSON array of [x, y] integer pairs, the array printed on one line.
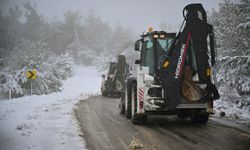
[[189, 56]]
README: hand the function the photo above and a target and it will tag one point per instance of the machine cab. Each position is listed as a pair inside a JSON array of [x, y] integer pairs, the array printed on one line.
[[153, 46]]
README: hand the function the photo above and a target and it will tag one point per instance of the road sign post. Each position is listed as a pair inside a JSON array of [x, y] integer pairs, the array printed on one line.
[[9, 94], [31, 74], [31, 88]]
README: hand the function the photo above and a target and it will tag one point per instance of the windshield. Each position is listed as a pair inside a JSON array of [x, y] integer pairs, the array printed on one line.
[[148, 54]]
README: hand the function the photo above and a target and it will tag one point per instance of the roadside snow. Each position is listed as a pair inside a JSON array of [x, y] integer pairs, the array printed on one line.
[[232, 111], [46, 122]]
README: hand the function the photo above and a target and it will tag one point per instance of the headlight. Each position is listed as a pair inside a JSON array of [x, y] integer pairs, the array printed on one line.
[[155, 92]]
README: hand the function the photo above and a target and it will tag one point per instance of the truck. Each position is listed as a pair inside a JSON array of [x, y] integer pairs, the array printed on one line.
[[174, 72], [113, 84]]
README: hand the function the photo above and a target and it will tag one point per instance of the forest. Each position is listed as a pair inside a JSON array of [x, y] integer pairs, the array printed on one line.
[[54, 46]]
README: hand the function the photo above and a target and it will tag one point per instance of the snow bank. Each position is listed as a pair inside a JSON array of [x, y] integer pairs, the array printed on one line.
[[45, 122], [233, 111]]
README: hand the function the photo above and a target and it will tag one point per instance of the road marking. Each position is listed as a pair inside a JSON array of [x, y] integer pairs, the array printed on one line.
[[123, 143], [95, 125]]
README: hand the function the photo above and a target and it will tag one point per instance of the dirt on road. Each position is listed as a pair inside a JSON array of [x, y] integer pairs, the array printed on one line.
[[105, 129]]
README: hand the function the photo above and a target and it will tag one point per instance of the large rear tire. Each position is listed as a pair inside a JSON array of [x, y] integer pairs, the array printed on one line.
[[182, 113], [104, 93], [199, 117], [135, 118], [128, 101]]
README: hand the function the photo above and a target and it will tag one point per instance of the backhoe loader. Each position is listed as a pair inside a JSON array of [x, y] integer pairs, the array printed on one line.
[[174, 73]]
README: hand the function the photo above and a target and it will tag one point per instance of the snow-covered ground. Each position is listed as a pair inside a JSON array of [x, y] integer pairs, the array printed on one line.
[[46, 122], [232, 111]]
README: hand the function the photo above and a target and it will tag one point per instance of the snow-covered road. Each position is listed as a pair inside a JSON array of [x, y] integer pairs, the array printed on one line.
[[46, 122]]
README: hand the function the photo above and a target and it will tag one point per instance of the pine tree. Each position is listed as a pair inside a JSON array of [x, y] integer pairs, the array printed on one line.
[[233, 46]]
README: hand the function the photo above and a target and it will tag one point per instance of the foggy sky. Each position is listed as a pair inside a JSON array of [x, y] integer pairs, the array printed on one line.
[[136, 14]]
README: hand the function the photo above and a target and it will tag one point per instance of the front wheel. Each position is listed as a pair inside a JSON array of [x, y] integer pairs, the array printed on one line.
[[135, 118]]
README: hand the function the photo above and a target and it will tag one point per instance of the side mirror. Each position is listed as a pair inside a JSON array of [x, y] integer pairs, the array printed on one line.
[[138, 45], [137, 61]]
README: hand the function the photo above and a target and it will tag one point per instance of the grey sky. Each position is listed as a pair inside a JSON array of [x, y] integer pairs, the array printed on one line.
[[137, 14]]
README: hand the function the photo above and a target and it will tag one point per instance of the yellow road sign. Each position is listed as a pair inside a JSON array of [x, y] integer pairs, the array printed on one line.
[[31, 74]]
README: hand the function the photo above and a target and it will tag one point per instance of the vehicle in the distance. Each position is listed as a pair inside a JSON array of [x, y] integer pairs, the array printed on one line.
[[174, 73], [114, 82]]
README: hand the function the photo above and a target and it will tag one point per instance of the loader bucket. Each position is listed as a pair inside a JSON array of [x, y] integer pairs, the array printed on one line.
[[190, 90]]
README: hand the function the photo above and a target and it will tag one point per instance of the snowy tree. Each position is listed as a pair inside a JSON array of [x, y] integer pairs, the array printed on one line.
[[96, 33], [29, 56], [233, 46], [28, 41], [120, 39], [63, 67], [33, 26]]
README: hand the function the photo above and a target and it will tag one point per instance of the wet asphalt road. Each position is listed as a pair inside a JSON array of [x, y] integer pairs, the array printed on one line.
[[105, 129]]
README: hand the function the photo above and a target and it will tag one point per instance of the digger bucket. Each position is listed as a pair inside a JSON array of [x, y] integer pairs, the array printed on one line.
[[190, 90]]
